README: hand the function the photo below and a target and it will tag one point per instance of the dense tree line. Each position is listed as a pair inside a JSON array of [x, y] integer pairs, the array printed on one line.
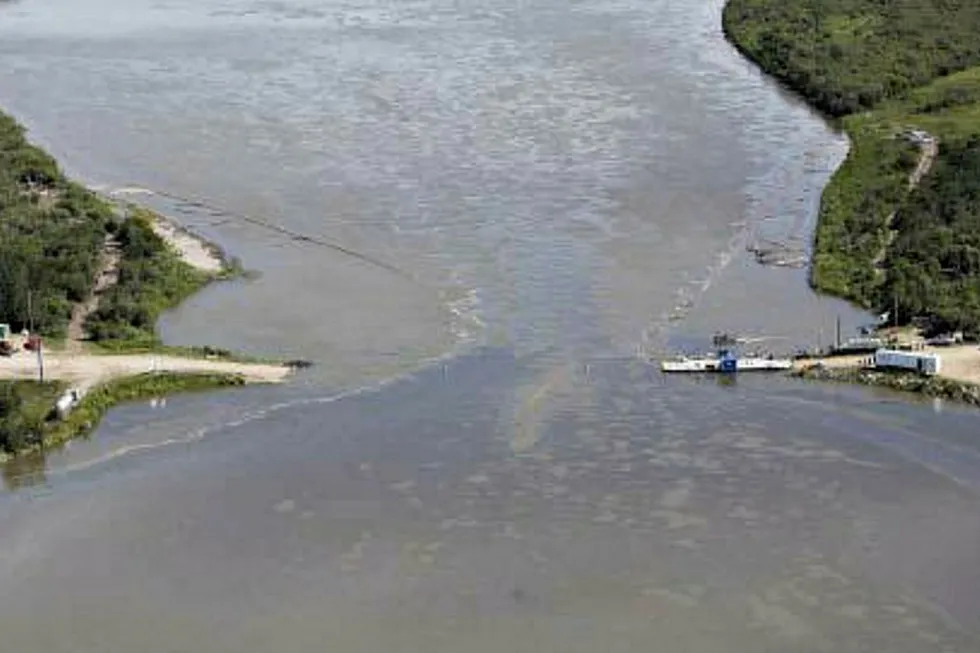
[[934, 263], [885, 67], [852, 229], [51, 231], [846, 56]]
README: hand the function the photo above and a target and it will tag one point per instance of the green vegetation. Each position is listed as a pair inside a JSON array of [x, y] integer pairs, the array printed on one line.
[[934, 263], [94, 405], [51, 233], [929, 386], [110, 347], [55, 236], [885, 68], [853, 224], [847, 56], [152, 279], [26, 407]]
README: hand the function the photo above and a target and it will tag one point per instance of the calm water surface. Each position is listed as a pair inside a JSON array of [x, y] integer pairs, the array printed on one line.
[[476, 218]]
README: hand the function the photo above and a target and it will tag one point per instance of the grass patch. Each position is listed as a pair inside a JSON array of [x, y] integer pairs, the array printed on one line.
[[24, 408], [31, 418], [86, 416], [122, 347]]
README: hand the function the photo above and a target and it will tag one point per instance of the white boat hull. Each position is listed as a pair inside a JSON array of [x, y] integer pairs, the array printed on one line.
[[696, 365]]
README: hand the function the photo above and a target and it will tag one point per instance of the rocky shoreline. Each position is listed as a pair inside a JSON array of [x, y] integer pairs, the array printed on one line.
[[934, 386]]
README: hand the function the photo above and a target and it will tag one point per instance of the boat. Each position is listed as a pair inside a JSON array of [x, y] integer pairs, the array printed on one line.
[[725, 361]]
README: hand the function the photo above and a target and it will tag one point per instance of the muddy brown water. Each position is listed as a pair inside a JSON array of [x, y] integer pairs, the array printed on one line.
[[476, 218]]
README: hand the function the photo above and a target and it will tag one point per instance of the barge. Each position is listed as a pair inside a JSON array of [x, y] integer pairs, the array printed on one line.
[[725, 361]]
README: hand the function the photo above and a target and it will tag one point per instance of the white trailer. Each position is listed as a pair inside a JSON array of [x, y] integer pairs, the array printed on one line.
[[922, 363]]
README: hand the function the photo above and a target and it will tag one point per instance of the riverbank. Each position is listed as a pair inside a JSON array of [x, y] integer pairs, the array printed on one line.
[[39, 432], [958, 378], [92, 277], [937, 386], [895, 225]]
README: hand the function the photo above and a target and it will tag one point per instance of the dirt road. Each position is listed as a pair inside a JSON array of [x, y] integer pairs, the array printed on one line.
[[959, 363], [107, 277], [928, 151], [87, 370]]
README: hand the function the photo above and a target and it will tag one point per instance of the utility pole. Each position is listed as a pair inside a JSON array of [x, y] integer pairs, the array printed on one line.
[[838, 332], [30, 313], [30, 330]]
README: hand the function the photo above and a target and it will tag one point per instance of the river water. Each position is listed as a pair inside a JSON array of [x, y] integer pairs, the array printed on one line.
[[477, 219]]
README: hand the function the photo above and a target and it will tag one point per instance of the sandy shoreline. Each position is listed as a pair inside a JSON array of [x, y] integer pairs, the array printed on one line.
[[85, 370], [193, 250]]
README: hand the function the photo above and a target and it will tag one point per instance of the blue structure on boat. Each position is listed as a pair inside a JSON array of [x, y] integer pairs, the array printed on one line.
[[727, 362]]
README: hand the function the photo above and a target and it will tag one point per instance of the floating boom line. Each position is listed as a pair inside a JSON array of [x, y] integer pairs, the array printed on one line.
[[265, 224]]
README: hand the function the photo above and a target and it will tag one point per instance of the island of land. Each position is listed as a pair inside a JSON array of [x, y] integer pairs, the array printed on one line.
[[89, 277], [898, 230]]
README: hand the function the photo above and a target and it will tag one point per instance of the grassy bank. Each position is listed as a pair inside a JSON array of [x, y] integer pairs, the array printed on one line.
[[33, 424], [882, 69], [96, 403], [154, 346], [24, 408], [935, 386]]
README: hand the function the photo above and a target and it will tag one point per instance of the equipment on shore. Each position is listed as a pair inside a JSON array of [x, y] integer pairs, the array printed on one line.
[[862, 345], [946, 339]]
